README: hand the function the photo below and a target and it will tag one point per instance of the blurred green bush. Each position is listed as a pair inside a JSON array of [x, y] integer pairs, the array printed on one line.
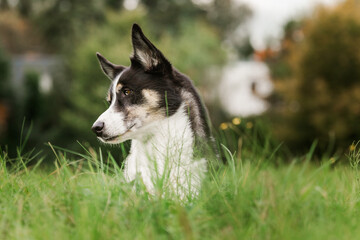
[[317, 79]]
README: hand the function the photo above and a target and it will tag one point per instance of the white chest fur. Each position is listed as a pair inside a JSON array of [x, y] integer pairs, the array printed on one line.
[[162, 156]]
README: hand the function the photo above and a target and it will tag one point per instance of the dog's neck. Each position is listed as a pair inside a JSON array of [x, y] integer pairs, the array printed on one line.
[[166, 138], [166, 147]]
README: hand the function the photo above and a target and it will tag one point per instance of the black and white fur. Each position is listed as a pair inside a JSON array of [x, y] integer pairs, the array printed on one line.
[[158, 108]]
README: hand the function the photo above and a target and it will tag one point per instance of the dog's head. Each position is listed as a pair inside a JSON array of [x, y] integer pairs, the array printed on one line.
[[139, 95]]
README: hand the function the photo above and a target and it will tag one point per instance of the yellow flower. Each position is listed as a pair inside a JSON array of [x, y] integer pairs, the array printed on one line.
[[332, 160], [236, 121], [352, 147], [224, 126], [249, 125]]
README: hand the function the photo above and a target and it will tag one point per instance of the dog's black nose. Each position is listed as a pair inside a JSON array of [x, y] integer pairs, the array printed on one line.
[[98, 127]]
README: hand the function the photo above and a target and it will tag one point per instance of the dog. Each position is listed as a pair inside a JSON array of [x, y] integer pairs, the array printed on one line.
[[159, 110]]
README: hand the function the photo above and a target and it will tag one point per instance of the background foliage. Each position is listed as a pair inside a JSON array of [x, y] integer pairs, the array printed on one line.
[[189, 34], [317, 78]]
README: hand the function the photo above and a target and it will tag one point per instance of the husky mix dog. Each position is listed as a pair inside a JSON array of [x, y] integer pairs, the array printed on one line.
[[159, 109]]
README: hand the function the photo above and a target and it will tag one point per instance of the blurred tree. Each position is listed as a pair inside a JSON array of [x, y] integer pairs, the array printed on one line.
[[114, 4], [9, 124], [64, 22], [17, 34], [227, 15], [4, 5], [168, 14], [245, 48], [25, 7], [4, 74], [33, 100], [224, 15], [317, 78], [4, 92], [41, 111]]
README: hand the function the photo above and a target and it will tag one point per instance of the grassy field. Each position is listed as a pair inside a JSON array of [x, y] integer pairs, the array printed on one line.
[[81, 197]]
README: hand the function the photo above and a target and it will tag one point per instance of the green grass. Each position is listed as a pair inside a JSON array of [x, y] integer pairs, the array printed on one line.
[[82, 197]]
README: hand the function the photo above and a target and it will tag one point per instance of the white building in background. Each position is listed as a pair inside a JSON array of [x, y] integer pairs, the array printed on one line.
[[48, 67], [243, 87]]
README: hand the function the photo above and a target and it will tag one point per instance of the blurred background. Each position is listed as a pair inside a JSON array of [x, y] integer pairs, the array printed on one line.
[[287, 70]]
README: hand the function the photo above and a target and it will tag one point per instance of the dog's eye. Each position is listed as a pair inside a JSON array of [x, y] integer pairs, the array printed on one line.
[[127, 91]]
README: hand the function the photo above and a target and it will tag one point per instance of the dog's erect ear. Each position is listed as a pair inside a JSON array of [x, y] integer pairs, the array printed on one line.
[[111, 70], [146, 54]]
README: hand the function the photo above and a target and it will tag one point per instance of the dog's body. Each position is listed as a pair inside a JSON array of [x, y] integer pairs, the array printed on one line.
[[159, 109]]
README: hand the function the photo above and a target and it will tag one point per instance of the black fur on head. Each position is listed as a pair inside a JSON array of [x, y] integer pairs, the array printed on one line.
[[149, 70], [137, 80]]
